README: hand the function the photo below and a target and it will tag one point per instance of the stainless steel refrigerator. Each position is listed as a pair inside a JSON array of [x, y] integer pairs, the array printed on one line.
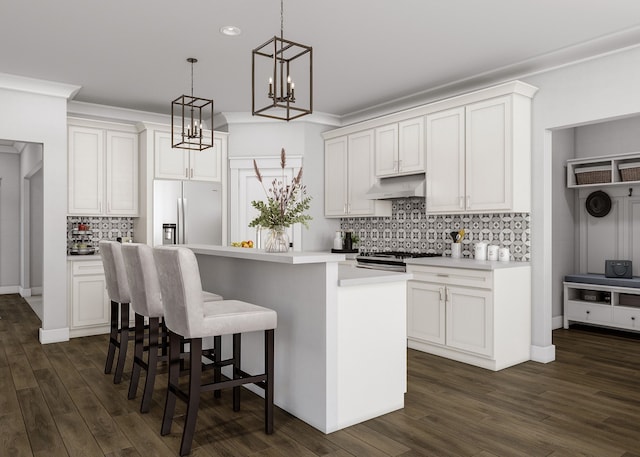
[[194, 206]]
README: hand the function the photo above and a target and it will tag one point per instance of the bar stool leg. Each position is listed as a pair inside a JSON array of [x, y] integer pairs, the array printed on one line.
[[175, 344], [124, 342], [193, 402], [268, 392], [138, 351], [217, 357], [152, 364], [113, 338], [237, 349]]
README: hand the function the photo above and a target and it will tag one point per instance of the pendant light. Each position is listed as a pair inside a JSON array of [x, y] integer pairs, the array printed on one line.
[[189, 111], [284, 78]]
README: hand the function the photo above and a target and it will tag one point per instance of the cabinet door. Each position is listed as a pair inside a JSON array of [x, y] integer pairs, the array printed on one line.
[[488, 157], [206, 165], [411, 146], [169, 163], [335, 177], [122, 174], [426, 312], [90, 303], [86, 170], [445, 161], [470, 320], [386, 155], [361, 173]]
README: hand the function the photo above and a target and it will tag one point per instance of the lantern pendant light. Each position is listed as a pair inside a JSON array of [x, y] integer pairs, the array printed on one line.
[[189, 111], [278, 95]]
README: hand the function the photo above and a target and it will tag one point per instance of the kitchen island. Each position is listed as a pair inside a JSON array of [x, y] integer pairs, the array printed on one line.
[[340, 355]]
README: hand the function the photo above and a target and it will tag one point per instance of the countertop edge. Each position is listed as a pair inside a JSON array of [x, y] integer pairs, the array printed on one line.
[[293, 258], [470, 264]]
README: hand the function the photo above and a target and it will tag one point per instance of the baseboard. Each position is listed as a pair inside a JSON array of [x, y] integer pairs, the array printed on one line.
[[4, 290], [36, 290], [24, 292], [543, 354], [556, 322], [57, 335]]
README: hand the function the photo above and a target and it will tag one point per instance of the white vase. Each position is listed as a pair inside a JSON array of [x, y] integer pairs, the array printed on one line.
[[277, 240]]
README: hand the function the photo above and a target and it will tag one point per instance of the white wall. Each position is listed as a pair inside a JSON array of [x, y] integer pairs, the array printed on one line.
[[608, 138], [597, 89], [9, 222], [30, 166], [260, 138], [32, 116]]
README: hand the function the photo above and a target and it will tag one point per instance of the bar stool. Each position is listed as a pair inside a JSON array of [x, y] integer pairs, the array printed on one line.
[[120, 296], [188, 316], [147, 303]]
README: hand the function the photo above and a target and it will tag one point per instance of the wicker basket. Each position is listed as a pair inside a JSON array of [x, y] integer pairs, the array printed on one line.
[[593, 175], [629, 171]]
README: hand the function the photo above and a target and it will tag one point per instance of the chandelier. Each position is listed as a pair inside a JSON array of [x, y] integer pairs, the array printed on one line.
[[279, 97], [189, 132]]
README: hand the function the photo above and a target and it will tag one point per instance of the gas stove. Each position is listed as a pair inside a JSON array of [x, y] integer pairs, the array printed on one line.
[[389, 260]]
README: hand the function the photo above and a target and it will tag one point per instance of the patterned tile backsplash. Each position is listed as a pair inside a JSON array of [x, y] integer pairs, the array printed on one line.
[[102, 228], [410, 229]]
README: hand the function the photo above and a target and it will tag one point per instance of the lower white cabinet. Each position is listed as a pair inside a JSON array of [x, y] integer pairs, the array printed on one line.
[[480, 317], [89, 305], [602, 305]]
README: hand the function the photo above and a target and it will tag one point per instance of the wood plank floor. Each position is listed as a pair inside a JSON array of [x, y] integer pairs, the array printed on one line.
[[56, 401]]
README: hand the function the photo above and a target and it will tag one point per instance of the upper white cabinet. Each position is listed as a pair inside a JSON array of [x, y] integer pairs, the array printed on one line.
[[478, 157], [185, 164], [399, 148], [103, 170], [349, 174]]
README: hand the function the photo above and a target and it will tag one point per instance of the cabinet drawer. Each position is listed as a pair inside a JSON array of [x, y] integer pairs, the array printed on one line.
[[87, 267], [586, 312], [627, 317], [456, 276]]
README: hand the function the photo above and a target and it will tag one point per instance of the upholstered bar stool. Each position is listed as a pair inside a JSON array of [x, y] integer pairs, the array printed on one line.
[[186, 315], [146, 303], [120, 297]]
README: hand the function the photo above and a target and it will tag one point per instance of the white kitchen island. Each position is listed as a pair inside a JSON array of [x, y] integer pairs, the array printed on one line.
[[340, 354]]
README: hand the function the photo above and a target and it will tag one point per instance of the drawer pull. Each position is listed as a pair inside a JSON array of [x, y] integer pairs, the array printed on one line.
[[442, 275]]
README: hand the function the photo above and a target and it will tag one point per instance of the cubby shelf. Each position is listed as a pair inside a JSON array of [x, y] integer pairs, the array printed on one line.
[[613, 164]]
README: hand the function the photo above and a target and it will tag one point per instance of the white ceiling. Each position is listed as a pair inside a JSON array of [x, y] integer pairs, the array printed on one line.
[[132, 53]]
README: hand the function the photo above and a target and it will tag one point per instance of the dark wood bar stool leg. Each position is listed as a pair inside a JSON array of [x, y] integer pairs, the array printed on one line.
[[217, 357], [237, 349], [113, 338], [193, 402], [124, 342], [172, 388], [152, 364], [269, 370], [138, 351]]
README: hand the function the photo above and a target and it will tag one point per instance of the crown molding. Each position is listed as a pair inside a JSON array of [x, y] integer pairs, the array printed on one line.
[[37, 86]]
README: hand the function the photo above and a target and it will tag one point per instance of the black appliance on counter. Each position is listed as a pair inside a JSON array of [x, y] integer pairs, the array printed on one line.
[[389, 260]]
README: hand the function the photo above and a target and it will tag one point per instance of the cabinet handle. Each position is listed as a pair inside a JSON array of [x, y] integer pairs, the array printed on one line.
[[344, 208], [441, 293], [468, 201], [633, 318], [588, 312], [448, 295], [191, 173], [186, 172], [461, 204]]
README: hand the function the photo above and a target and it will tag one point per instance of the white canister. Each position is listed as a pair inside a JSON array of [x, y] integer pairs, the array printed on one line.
[[504, 255], [456, 250], [492, 252], [480, 251], [337, 241]]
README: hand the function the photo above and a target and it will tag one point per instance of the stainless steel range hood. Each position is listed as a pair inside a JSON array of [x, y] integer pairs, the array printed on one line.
[[398, 187]]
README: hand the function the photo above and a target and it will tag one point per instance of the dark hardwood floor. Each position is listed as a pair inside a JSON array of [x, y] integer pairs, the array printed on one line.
[[56, 401]]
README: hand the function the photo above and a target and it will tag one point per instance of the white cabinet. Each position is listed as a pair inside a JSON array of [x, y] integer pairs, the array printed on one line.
[[481, 317], [89, 305], [349, 175], [185, 164], [478, 157], [608, 306], [103, 171], [399, 148]]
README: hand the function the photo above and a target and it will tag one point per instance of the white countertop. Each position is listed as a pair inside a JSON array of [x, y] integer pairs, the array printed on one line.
[[350, 275], [84, 257], [291, 257], [465, 263]]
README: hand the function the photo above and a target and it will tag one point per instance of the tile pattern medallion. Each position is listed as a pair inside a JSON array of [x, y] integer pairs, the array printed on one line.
[[102, 228], [410, 229]]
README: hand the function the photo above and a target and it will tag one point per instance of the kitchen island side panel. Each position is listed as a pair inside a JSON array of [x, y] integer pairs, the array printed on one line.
[[304, 296]]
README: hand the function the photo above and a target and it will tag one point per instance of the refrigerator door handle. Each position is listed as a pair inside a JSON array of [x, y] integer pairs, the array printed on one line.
[[185, 210], [180, 219]]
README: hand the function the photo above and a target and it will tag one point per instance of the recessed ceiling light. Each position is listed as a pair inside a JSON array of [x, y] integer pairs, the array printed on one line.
[[230, 30]]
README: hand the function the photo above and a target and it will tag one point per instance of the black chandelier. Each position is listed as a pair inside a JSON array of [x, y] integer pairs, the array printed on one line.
[[284, 99], [189, 133]]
